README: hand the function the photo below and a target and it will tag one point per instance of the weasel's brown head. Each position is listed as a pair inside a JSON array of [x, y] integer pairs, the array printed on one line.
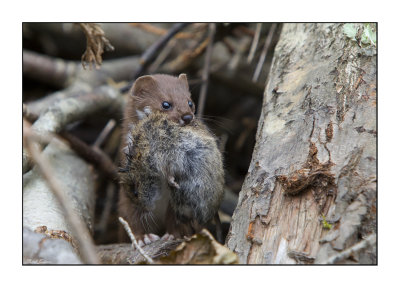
[[163, 93]]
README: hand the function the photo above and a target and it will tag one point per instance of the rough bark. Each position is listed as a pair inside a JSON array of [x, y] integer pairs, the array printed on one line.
[[40, 249], [315, 156], [125, 254]]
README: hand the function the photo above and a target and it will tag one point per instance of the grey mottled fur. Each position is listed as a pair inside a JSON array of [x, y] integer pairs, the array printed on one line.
[[182, 161]]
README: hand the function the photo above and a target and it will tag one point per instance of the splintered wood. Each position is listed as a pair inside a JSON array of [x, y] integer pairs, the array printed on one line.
[[310, 191]]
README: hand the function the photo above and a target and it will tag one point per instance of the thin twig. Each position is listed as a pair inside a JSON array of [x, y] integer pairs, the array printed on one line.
[[254, 43], [363, 244], [111, 124], [162, 56], [105, 214], [93, 155], [66, 111], [263, 55], [240, 50], [245, 30], [206, 70], [187, 56], [85, 246], [133, 239], [152, 51], [218, 228], [161, 31]]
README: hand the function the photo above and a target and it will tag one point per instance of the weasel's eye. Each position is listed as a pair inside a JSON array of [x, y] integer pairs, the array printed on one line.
[[190, 104], [166, 105]]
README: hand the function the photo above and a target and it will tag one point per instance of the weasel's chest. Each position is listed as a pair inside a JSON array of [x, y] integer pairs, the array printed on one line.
[[161, 204]]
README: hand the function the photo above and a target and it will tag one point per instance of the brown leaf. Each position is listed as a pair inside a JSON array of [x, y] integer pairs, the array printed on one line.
[[201, 248]]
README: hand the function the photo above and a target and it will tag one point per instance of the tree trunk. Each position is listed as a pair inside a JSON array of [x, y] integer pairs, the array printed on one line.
[[310, 194]]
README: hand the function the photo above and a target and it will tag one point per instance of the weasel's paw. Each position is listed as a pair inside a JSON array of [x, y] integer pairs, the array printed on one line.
[[172, 183], [148, 238], [167, 236]]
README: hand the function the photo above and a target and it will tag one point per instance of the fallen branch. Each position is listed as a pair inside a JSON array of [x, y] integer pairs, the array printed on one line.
[[69, 73], [40, 249], [134, 242], [103, 222], [124, 254], [160, 31], [69, 110], [263, 55], [162, 56], [206, 70], [363, 244], [85, 244], [153, 50], [93, 155], [254, 43], [54, 71], [185, 58], [111, 124]]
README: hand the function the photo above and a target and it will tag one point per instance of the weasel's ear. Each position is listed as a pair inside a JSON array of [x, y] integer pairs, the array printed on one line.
[[144, 83], [183, 79]]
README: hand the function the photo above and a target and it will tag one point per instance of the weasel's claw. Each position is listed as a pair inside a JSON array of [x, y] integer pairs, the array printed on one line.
[[149, 238], [167, 236]]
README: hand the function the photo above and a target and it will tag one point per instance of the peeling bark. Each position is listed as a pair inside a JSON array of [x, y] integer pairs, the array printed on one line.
[[311, 188]]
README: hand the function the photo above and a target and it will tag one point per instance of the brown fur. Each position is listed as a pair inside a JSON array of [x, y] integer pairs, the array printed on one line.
[[149, 92], [152, 91]]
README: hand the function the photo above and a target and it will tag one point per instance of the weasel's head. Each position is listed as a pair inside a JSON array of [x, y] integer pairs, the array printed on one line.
[[166, 94]]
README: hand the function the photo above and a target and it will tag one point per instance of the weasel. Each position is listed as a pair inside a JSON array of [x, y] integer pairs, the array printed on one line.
[[172, 174]]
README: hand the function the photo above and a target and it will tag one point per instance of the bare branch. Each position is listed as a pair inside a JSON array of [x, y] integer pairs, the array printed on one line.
[[85, 245], [124, 254], [106, 211], [111, 124], [254, 43], [160, 31], [263, 55], [93, 155], [162, 56], [39, 248], [363, 244], [153, 50], [185, 58], [70, 110], [206, 70], [133, 239], [54, 71]]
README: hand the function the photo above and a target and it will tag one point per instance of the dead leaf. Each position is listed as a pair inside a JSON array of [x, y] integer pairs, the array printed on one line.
[[201, 248]]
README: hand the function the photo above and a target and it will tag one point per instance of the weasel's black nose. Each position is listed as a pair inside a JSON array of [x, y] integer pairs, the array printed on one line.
[[187, 118]]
